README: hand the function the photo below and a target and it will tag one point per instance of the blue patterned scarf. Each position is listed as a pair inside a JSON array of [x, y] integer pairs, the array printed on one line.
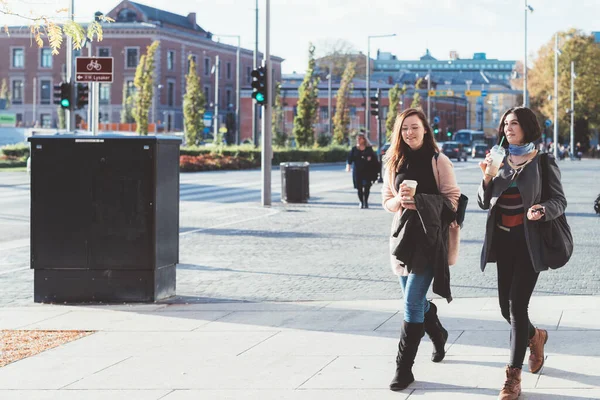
[[521, 150]]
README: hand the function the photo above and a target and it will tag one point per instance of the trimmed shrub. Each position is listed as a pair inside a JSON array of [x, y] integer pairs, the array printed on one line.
[[16, 151]]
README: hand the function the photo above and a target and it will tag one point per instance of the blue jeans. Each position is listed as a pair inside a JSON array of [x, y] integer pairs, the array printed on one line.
[[414, 288]]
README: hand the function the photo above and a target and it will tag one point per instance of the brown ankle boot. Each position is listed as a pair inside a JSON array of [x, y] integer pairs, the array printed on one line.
[[512, 385], [536, 347]]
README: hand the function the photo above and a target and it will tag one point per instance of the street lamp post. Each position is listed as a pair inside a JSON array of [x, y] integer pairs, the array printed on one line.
[[469, 82], [556, 53], [428, 97], [329, 76], [528, 8], [367, 111], [237, 86], [572, 110]]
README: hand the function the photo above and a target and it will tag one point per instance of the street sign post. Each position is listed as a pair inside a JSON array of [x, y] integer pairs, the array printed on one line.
[[94, 69]]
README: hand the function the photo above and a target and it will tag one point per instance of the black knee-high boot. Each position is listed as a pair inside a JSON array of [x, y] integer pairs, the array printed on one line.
[[366, 191], [436, 332], [407, 351], [361, 196]]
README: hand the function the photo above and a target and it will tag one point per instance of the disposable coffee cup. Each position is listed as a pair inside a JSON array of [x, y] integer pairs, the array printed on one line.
[[497, 153], [412, 185]]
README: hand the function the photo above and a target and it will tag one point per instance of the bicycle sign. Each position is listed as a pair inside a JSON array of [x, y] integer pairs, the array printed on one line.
[[94, 69]]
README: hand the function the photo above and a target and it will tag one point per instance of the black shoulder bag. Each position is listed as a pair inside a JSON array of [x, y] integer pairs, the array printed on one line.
[[557, 241]]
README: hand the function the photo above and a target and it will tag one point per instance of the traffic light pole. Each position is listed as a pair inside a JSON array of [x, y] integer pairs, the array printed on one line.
[[379, 136], [70, 113], [95, 107], [266, 157]]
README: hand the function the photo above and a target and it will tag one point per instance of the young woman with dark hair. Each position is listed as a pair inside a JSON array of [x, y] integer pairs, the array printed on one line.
[[513, 238]]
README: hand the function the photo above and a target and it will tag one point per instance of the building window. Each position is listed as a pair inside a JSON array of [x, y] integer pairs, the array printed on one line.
[[248, 76], [206, 66], [207, 94], [228, 97], [46, 58], [130, 87], [353, 111], [17, 92], [45, 92], [104, 93], [18, 58], [132, 57], [103, 52], [170, 94], [46, 120], [324, 116], [228, 70], [170, 60]]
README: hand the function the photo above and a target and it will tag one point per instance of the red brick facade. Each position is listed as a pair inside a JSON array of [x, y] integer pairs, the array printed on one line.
[[123, 40]]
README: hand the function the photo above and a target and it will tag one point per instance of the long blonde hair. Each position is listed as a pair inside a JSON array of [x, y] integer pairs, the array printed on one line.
[[395, 157]]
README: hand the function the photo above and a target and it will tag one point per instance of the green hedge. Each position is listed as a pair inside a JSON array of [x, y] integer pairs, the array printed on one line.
[[312, 155], [12, 163], [19, 150]]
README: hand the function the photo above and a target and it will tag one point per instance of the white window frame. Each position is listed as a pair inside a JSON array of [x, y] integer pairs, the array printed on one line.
[[137, 48], [12, 53]]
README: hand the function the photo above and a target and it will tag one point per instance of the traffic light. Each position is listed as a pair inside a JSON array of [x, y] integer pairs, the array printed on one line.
[[436, 129], [259, 85], [82, 95], [449, 134], [65, 95], [57, 93], [375, 103]]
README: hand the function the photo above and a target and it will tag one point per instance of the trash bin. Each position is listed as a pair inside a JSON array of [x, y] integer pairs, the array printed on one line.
[[104, 217], [294, 182]]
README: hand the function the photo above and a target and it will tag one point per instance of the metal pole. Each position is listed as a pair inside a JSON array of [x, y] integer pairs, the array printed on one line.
[[96, 108], [254, 106], [34, 101], [216, 120], [368, 99], [525, 102], [329, 98], [428, 97], [379, 135], [70, 114], [556, 95], [237, 95], [266, 158], [90, 93], [573, 108]]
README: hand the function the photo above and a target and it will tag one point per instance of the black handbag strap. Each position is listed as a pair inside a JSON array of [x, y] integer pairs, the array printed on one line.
[[544, 169]]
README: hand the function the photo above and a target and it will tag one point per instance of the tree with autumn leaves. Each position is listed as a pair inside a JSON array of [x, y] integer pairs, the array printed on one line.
[[585, 52]]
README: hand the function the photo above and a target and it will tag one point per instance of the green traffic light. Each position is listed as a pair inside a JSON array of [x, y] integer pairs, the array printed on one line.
[[436, 131], [449, 134], [65, 103], [260, 97]]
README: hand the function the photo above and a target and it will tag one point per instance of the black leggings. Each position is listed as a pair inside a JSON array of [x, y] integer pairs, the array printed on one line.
[[516, 282], [364, 190]]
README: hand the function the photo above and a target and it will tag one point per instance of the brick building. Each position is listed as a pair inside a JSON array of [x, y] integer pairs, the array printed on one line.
[[31, 72]]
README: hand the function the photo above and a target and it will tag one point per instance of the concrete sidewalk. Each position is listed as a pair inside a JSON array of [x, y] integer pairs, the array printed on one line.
[[303, 350]]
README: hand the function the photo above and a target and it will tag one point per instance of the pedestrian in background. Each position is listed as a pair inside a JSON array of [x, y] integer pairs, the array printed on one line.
[[361, 161], [414, 156], [512, 236]]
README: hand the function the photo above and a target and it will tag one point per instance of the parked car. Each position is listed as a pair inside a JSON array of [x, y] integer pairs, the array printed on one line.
[[454, 150], [480, 150]]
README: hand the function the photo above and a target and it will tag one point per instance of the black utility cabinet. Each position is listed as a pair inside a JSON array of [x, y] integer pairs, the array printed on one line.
[[104, 217]]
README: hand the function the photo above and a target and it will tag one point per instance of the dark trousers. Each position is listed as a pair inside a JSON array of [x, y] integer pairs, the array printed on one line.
[[516, 282], [364, 189]]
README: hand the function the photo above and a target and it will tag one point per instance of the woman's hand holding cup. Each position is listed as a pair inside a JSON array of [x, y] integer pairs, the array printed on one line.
[[407, 193]]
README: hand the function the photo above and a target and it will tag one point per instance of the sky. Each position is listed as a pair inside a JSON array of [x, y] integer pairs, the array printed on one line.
[[495, 27]]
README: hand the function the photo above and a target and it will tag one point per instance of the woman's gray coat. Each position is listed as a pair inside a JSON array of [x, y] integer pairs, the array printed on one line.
[[529, 183]]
